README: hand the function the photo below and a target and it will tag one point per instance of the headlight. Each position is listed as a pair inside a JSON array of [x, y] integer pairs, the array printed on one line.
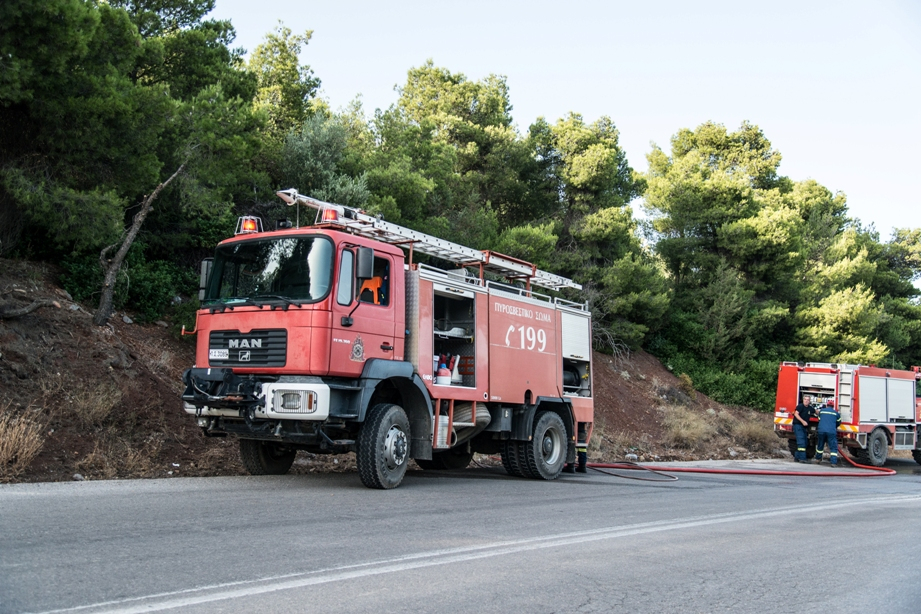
[[295, 401]]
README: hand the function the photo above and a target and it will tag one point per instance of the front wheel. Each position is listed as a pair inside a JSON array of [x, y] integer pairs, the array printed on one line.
[[383, 447], [266, 457], [916, 454], [877, 448], [546, 452]]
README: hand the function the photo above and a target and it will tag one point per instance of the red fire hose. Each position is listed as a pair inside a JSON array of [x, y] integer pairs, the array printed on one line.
[[874, 471]]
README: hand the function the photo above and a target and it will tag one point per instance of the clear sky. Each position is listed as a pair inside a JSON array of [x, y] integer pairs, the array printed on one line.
[[835, 85]]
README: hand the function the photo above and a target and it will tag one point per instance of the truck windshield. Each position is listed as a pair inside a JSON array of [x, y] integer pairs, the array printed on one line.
[[289, 269]]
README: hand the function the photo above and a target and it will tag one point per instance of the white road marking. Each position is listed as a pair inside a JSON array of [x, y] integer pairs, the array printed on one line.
[[248, 588]]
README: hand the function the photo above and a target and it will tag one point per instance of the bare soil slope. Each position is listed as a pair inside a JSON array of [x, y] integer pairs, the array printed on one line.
[[103, 403]]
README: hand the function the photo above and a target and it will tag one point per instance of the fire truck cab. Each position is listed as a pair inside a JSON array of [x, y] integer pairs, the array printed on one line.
[[880, 408], [329, 338]]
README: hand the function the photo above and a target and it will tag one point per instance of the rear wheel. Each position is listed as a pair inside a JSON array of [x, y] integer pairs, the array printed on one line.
[[859, 455], [266, 457], [513, 458], [546, 452], [916, 454], [791, 443], [877, 448], [383, 447]]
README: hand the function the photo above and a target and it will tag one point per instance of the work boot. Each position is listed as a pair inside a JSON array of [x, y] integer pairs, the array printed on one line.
[[567, 468], [583, 462]]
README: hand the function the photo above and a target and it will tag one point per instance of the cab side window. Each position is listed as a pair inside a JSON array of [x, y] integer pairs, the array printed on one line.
[[346, 277], [377, 289]]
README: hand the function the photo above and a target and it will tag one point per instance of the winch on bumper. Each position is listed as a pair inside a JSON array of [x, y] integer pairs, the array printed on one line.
[[221, 392]]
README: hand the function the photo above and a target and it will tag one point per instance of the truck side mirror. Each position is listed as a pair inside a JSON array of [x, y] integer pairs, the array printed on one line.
[[206, 265], [365, 268]]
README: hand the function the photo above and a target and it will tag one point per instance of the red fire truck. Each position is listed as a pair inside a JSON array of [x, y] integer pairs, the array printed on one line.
[[330, 338], [880, 408]]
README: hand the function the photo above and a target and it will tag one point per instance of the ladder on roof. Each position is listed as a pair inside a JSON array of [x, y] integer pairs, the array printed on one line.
[[372, 227]]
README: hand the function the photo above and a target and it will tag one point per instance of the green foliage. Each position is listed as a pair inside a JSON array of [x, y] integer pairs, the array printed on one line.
[[754, 387], [147, 287], [763, 268], [285, 88], [38, 42], [311, 159], [162, 17], [535, 244]]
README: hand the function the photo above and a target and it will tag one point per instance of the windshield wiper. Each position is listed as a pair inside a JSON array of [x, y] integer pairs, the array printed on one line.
[[233, 301], [279, 298]]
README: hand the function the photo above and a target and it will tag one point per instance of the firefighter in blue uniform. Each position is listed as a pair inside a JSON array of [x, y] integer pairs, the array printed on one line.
[[829, 419], [801, 416]]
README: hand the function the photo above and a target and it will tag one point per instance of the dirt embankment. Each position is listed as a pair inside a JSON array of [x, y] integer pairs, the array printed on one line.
[[103, 402]]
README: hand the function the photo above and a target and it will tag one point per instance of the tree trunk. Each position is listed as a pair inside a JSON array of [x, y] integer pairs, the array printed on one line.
[[8, 312], [111, 267]]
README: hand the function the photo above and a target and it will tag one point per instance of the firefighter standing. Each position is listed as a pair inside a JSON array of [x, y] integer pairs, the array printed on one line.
[[801, 416], [581, 453], [829, 419]]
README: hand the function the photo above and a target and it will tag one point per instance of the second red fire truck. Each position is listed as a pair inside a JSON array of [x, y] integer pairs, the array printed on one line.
[[330, 338], [880, 408]]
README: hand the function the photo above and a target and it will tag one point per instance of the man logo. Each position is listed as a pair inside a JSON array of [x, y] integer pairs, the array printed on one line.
[[244, 356]]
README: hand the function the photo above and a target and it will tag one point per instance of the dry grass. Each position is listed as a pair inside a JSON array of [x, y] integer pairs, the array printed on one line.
[[93, 405], [21, 440], [692, 430], [611, 444], [686, 384], [685, 428], [156, 356], [755, 435], [113, 457]]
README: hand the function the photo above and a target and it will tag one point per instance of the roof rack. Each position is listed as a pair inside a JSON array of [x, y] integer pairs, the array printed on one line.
[[372, 227]]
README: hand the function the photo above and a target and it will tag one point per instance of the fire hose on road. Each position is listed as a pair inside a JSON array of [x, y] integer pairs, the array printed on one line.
[[663, 471]]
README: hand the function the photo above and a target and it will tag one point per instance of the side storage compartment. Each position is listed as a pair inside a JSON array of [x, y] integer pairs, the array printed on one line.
[[453, 338], [576, 334]]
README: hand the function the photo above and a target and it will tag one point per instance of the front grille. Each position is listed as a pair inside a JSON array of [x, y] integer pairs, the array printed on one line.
[[258, 348]]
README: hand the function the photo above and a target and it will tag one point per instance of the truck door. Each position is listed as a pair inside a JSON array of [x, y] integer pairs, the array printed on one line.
[[371, 332]]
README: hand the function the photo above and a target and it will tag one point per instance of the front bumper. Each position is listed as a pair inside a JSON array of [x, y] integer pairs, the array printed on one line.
[[220, 392]]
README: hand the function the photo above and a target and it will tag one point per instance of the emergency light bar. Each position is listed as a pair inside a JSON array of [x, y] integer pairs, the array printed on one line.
[[248, 224]]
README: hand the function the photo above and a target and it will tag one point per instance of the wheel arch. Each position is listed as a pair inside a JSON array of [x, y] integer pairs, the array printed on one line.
[[523, 421], [389, 381]]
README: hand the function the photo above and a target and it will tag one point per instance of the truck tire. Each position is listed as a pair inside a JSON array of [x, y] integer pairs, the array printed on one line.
[[449, 460], [859, 455], [513, 460], [791, 444], [265, 457], [916, 454], [877, 448], [383, 447], [546, 452]]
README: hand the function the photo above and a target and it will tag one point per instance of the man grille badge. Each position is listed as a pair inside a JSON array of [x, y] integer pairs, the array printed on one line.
[[244, 356]]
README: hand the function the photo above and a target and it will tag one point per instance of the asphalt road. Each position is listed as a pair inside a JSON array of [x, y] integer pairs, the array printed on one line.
[[469, 541]]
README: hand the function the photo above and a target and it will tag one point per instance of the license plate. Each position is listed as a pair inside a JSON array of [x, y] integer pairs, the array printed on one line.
[[219, 354]]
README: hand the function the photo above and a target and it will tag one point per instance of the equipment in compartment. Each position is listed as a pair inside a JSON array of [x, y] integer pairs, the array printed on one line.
[[453, 338], [576, 380]]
